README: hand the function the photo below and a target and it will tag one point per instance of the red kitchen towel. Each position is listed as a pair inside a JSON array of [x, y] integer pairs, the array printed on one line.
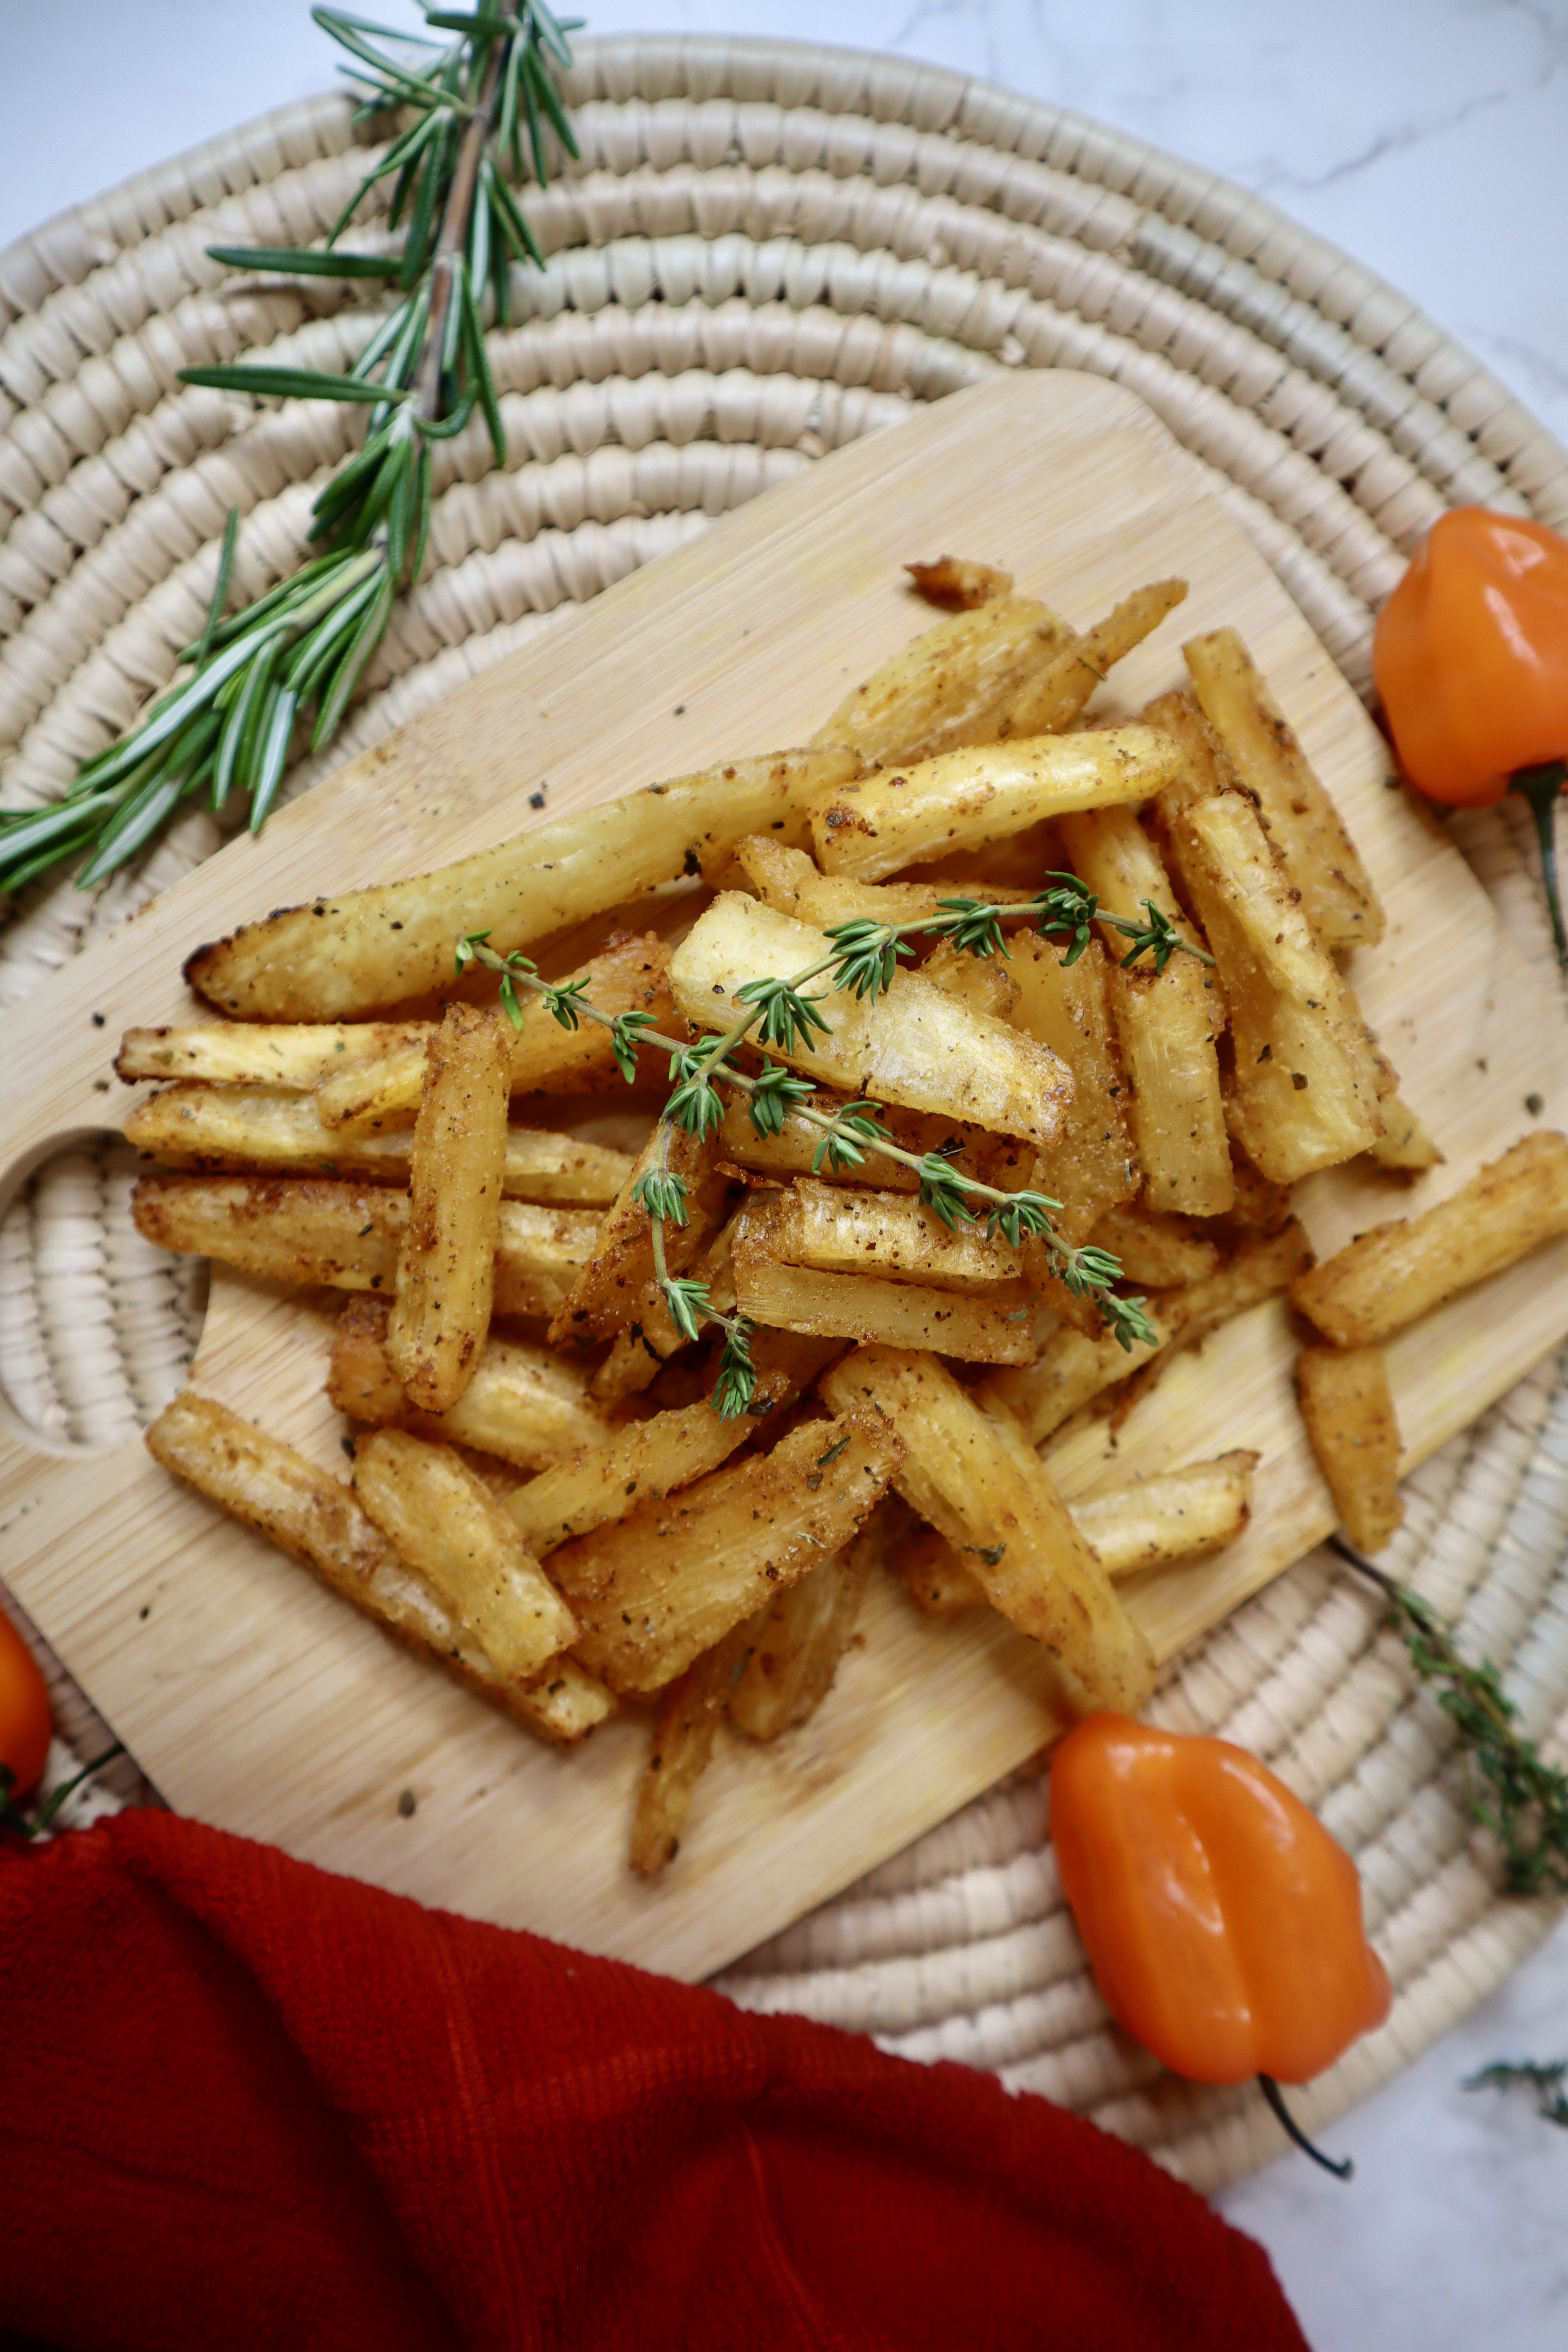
[[245, 2104]]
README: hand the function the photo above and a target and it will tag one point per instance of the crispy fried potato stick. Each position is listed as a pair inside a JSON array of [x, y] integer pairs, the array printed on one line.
[[233, 1129], [525, 1404], [797, 1641], [661, 1586], [627, 975], [1388, 1278], [917, 1045], [304, 1229], [354, 951], [1348, 1406], [970, 801], [689, 1716], [1298, 813], [978, 1481], [949, 687], [319, 1521], [260, 1054], [447, 1259], [1056, 694]]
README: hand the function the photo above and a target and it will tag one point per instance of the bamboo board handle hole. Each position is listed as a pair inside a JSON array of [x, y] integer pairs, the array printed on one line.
[[97, 1327]]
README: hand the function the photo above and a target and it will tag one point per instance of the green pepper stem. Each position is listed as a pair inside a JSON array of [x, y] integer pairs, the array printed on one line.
[[1540, 786], [1343, 2169]]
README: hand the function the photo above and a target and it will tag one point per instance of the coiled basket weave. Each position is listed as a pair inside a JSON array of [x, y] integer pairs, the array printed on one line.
[[765, 251]]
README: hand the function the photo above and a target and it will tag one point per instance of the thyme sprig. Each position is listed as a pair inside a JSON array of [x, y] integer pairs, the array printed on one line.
[[868, 953], [465, 106], [1546, 2077], [779, 1012], [1514, 1792]]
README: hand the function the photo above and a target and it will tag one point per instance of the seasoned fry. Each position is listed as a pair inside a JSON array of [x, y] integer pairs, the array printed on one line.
[[994, 1327], [1161, 1251], [993, 1159], [982, 983], [969, 801], [916, 1045], [959, 585], [1348, 1406], [1297, 814], [1305, 1092], [618, 1285], [1259, 1206], [444, 1520], [946, 689], [304, 1229], [1065, 1007], [259, 1054], [1178, 1516], [790, 882], [627, 975], [447, 1259], [1070, 1369], [659, 1586], [235, 1128], [1167, 1025], [526, 1404], [317, 1519], [848, 1232], [1387, 1277], [980, 1485], [620, 1470], [355, 951], [1056, 695], [1405, 1147], [688, 1717], [797, 1641]]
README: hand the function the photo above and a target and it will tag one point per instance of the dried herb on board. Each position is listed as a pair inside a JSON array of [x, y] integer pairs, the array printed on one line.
[[1545, 2078]]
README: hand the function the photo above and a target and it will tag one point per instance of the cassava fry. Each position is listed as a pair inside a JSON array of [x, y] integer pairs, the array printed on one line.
[[526, 1404], [304, 1229], [627, 975], [969, 801], [796, 1642], [1070, 1369], [1262, 1266], [917, 1045], [447, 1259], [977, 1480], [1348, 1406], [959, 585], [993, 1328], [1298, 815], [430, 1505], [648, 1460], [1184, 1515], [843, 1231], [790, 882], [688, 1717], [354, 951], [1058, 692], [1404, 1146], [317, 1519], [224, 1130], [1167, 1025], [1304, 1094], [260, 1054], [1161, 1251], [1387, 1277], [1065, 1007], [947, 687], [618, 1285], [661, 1586]]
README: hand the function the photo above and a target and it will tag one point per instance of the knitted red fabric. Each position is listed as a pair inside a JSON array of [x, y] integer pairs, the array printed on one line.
[[245, 2104]]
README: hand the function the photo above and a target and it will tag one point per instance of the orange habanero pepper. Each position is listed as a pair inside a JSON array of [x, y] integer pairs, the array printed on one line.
[[1223, 1921], [1471, 661]]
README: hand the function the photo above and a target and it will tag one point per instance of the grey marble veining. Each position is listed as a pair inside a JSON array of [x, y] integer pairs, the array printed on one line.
[[1430, 139]]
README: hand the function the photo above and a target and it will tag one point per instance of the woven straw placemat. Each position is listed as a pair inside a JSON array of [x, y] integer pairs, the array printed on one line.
[[766, 251]]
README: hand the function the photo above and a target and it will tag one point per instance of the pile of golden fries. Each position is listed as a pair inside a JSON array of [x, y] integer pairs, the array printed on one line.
[[545, 1499]]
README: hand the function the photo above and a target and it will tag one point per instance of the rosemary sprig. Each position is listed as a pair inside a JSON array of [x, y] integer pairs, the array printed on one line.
[[1547, 2078], [1514, 1792], [861, 960], [464, 107]]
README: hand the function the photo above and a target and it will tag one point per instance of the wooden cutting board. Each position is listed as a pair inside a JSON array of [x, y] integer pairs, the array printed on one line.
[[256, 1701]]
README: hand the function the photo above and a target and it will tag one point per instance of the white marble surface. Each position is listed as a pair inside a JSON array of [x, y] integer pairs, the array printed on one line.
[[1430, 138]]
